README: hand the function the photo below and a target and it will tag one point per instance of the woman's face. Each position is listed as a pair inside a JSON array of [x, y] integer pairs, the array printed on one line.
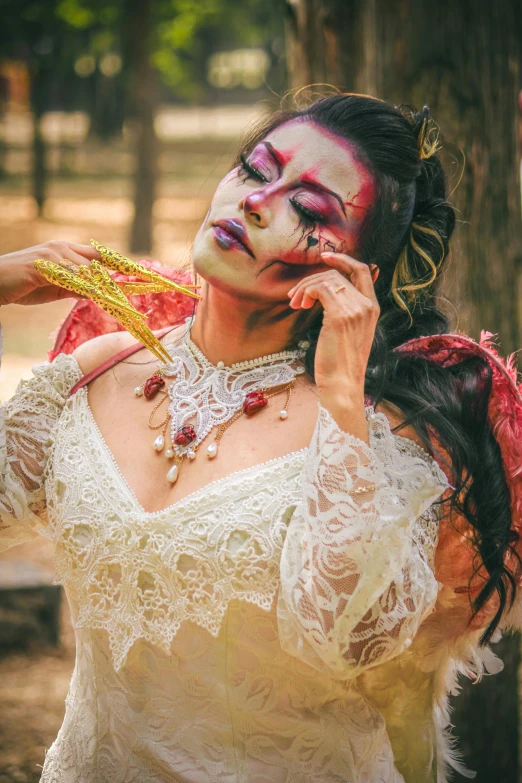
[[300, 192]]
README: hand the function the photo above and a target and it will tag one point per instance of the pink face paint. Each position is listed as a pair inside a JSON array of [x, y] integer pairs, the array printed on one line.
[[281, 156], [297, 188], [364, 198]]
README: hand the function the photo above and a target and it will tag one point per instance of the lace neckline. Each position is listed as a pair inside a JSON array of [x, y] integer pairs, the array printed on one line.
[[178, 505]]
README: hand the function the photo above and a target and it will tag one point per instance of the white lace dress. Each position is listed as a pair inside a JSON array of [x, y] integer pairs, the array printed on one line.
[[249, 633]]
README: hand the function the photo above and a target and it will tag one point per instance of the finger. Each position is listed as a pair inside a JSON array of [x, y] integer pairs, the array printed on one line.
[[307, 280], [66, 258], [86, 251], [46, 294], [333, 278], [77, 258], [324, 291], [358, 273]]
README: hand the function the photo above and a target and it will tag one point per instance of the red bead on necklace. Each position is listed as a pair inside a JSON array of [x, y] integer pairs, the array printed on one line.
[[254, 401], [152, 386], [185, 435]]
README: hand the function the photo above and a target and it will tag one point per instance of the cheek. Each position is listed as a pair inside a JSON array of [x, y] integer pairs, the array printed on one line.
[[306, 245], [228, 187]]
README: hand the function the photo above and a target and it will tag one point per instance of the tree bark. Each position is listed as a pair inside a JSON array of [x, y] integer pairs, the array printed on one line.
[[465, 64], [463, 60], [38, 91], [142, 101]]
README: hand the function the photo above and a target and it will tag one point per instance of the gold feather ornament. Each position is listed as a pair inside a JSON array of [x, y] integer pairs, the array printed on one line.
[[94, 282]]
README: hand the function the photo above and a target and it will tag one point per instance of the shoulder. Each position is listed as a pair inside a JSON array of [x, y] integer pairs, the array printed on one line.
[[92, 353], [95, 352], [438, 453], [396, 418]]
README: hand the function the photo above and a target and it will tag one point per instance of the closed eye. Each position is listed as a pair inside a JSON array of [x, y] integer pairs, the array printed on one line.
[[307, 215], [251, 170]]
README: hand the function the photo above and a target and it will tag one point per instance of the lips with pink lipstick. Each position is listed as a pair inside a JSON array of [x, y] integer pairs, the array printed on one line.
[[232, 234]]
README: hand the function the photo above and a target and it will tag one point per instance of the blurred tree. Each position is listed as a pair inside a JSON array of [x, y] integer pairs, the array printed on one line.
[[116, 58], [142, 97], [465, 64], [33, 33], [463, 60]]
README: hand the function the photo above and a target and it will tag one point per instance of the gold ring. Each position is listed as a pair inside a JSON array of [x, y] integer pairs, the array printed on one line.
[[69, 265], [339, 289]]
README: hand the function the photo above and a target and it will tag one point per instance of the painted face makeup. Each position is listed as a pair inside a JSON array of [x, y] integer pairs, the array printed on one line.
[[300, 192]]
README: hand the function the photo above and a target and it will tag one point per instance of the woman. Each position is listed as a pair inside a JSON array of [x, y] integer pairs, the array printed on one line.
[[296, 609]]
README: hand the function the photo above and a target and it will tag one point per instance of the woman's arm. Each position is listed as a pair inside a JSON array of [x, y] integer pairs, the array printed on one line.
[[20, 283], [356, 570], [27, 420], [27, 424], [357, 564]]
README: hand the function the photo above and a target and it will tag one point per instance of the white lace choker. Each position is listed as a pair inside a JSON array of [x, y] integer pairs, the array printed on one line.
[[213, 394]]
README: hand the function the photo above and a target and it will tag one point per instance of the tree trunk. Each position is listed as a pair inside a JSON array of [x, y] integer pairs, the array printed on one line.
[[463, 60], [38, 92], [142, 100], [465, 64]]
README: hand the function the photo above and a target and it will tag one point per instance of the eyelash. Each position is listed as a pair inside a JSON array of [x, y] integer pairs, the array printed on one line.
[[249, 169], [308, 216]]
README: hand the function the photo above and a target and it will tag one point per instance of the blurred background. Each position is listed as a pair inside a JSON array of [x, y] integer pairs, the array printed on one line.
[[117, 121]]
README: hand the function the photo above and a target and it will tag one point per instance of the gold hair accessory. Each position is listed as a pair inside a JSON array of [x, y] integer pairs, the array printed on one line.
[[403, 280], [95, 283], [428, 138]]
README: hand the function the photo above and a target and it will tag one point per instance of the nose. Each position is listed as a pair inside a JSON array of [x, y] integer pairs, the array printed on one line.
[[256, 209]]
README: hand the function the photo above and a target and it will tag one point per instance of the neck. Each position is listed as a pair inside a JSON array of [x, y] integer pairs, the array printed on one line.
[[232, 330]]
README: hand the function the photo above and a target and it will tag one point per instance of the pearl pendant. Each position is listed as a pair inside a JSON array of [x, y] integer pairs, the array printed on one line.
[[138, 391], [283, 414], [212, 450], [191, 454], [172, 475], [159, 443], [169, 453]]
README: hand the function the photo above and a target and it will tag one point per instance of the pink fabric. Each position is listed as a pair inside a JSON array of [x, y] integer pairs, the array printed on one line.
[[86, 320], [505, 401], [455, 558]]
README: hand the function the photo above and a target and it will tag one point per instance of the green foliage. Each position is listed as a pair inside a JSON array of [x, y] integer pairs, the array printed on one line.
[[75, 14], [183, 33]]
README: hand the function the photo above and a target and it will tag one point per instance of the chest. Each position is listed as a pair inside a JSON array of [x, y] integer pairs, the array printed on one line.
[[123, 421], [127, 569]]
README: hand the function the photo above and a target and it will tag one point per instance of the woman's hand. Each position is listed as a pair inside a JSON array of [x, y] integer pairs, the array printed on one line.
[[20, 283], [349, 321]]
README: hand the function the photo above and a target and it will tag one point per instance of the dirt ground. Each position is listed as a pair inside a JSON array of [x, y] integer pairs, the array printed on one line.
[[34, 685]]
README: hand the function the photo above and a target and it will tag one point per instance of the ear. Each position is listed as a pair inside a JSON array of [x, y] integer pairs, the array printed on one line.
[[374, 269]]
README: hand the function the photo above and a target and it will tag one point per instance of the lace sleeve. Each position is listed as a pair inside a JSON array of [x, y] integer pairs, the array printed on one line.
[[357, 563], [26, 424]]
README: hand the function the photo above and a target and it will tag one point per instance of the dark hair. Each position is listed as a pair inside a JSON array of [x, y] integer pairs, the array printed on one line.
[[406, 233]]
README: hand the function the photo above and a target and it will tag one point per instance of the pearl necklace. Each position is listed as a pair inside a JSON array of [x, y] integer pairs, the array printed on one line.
[[216, 395]]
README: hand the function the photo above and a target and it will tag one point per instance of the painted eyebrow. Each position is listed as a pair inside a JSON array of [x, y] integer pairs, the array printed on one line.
[[311, 183], [308, 182], [275, 155]]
